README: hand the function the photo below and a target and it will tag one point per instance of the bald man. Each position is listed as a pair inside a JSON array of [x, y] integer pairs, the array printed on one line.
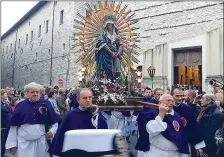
[[80, 118], [166, 131]]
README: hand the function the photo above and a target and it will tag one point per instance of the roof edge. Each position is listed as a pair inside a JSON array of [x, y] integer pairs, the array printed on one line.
[[32, 11]]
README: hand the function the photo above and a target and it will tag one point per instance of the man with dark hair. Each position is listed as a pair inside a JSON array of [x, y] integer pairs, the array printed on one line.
[[191, 127], [155, 99], [56, 88], [80, 118], [147, 94], [158, 92]]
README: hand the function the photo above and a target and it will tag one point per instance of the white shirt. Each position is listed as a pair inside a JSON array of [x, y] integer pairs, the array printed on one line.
[[159, 145]]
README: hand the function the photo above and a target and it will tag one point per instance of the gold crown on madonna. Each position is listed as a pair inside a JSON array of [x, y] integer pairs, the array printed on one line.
[[109, 17]]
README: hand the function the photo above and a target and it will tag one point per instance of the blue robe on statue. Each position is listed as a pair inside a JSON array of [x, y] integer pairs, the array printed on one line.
[[76, 119], [104, 61]]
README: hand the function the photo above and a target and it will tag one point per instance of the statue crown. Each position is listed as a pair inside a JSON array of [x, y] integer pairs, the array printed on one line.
[[109, 17]]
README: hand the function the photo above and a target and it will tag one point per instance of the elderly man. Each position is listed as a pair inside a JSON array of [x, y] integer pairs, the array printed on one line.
[[189, 97], [166, 131], [191, 127], [27, 132], [210, 120], [79, 118]]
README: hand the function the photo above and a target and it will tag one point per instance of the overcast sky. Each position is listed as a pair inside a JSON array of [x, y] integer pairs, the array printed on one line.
[[13, 11]]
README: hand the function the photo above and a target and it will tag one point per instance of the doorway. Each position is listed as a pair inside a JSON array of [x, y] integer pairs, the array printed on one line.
[[188, 66]]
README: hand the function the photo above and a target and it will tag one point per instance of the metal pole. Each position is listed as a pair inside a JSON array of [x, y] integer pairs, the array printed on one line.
[[52, 46], [152, 82], [129, 86]]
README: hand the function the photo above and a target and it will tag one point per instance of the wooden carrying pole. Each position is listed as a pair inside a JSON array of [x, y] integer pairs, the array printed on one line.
[[139, 105], [120, 108]]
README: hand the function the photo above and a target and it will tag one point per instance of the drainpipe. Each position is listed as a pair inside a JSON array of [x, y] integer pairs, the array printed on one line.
[[52, 45], [14, 58]]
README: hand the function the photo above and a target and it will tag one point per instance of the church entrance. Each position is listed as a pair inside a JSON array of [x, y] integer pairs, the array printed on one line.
[[188, 66]]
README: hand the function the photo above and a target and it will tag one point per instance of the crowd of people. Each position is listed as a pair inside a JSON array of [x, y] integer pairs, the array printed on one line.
[[188, 122]]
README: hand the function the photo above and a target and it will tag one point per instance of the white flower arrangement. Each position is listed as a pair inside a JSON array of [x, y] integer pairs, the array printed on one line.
[[109, 91], [116, 98]]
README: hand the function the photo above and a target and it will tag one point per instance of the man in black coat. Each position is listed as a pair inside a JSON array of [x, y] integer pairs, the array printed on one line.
[[210, 120]]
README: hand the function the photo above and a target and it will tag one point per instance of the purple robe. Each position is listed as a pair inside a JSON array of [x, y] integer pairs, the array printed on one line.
[[76, 119], [171, 134], [145, 99], [27, 112], [191, 127], [151, 100], [175, 133], [74, 103], [143, 143]]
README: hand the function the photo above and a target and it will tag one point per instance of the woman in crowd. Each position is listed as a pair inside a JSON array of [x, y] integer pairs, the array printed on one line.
[[15, 101], [5, 118], [219, 101], [52, 98]]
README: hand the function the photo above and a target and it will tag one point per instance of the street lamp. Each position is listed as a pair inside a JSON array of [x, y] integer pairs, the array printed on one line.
[[151, 70], [83, 69], [139, 80], [80, 79], [139, 73]]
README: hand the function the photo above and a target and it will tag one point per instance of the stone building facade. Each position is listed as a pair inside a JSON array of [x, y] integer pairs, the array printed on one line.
[[162, 58], [30, 55]]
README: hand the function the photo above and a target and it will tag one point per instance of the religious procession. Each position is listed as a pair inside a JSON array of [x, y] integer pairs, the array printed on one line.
[[112, 110]]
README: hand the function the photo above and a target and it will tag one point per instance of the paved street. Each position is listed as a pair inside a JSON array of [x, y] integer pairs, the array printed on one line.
[[133, 140]]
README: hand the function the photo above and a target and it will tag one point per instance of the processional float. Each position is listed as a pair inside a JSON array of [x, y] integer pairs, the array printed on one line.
[[105, 42], [108, 56]]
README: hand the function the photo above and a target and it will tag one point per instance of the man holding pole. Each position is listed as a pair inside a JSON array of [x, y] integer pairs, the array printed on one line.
[[82, 117], [166, 131]]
